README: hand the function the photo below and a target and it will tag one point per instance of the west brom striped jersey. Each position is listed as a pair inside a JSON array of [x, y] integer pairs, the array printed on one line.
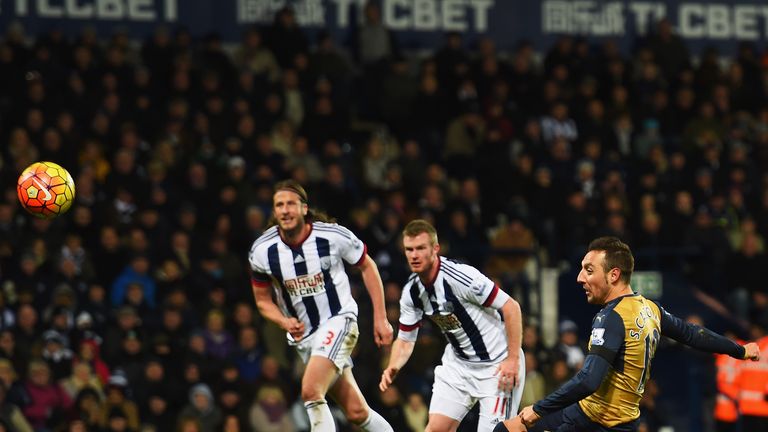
[[464, 304], [309, 278]]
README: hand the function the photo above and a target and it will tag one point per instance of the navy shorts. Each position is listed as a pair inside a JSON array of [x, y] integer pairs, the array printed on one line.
[[573, 419]]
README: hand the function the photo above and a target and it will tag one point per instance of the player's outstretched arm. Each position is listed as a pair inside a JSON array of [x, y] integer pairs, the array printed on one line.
[[382, 329], [401, 352], [583, 384], [704, 339]]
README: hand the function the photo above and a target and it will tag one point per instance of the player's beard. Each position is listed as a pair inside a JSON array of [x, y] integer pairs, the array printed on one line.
[[294, 232]]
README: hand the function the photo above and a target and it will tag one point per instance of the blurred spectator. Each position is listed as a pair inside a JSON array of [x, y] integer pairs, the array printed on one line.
[[373, 42], [391, 407], [669, 50], [711, 250], [126, 321], [534, 385], [153, 394], [569, 345], [254, 57], [109, 256], [399, 90], [749, 298], [82, 377], [202, 407], [512, 246], [131, 357], [118, 402], [87, 409], [233, 394], [269, 412], [26, 335], [463, 137], [137, 272], [10, 415], [329, 61], [300, 155], [285, 38], [558, 124], [218, 341], [415, 412], [558, 373], [15, 390], [48, 402], [464, 241]]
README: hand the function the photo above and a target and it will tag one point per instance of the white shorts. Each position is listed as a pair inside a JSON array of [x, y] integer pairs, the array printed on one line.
[[459, 385], [334, 339]]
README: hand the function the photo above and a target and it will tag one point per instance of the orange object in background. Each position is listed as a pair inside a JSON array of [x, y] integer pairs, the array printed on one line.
[[752, 383], [728, 369]]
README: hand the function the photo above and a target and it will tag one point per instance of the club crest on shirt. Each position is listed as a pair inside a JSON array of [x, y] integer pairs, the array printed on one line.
[[325, 263]]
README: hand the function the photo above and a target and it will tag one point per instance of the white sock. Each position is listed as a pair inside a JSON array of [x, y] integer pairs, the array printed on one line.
[[375, 423], [320, 418]]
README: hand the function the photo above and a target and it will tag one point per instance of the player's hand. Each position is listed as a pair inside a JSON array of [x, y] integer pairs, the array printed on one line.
[[387, 377], [751, 352], [382, 332], [515, 424], [294, 327], [507, 373], [529, 416]]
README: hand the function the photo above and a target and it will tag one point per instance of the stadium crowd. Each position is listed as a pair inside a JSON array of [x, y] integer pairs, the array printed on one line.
[[134, 311]]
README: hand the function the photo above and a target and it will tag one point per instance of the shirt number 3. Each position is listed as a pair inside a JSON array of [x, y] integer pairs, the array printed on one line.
[[329, 338]]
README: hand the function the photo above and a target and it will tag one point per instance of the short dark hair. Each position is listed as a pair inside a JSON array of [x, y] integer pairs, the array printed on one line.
[[617, 255], [418, 226]]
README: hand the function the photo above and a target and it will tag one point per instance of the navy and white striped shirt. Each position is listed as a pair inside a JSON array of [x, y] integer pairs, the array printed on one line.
[[309, 278], [464, 304]]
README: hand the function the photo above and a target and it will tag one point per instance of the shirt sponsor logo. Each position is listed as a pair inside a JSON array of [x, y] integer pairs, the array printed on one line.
[[446, 322], [305, 286]]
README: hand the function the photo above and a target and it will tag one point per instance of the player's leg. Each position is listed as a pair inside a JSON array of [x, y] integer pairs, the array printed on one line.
[[336, 343], [347, 394], [441, 423], [319, 374], [494, 410], [495, 405], [326, 353], [451, 399]]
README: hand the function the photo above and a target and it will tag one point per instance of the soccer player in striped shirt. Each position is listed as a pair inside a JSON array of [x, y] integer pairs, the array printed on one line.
[[483, 360], [302, 259]]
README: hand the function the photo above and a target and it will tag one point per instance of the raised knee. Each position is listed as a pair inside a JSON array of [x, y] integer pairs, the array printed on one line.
[[311, 393], [357, 414]]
